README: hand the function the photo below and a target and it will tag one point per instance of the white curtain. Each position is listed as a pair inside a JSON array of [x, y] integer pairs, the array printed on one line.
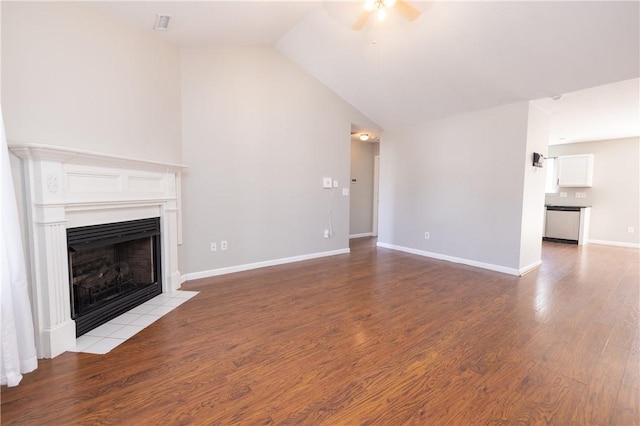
[[17, 346]]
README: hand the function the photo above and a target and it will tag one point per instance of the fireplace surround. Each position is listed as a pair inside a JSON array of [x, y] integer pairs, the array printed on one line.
[[65, 189]]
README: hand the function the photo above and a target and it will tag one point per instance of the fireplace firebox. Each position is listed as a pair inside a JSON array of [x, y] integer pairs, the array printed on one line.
[[112, 268]]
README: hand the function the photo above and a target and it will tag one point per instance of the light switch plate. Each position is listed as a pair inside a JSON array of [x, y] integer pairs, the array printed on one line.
[[326, 182], [345, 192]]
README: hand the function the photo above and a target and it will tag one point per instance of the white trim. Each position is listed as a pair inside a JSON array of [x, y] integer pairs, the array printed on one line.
[[376, 195], [615, 243], [78, 156], [489, 266], [58, 339], [530, 268], [256, 265], [364, 234]]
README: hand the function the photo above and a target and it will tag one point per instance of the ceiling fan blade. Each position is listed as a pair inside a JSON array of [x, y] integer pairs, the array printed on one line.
[[406, 10], [362, 19]]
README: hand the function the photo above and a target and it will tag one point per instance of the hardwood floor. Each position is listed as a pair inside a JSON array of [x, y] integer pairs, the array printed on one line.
[[375, 337]]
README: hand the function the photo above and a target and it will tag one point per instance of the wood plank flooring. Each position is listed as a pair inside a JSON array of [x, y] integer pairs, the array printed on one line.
[[375, 337]]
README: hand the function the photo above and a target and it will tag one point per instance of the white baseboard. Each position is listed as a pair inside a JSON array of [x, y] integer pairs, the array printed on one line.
[[489, 266], [256, 265], [530, 268], [364, 234], [615, 243]]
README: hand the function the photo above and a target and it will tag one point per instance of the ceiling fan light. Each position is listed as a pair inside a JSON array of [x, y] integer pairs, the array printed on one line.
[[381, 14], [369, 5], [364, 137]]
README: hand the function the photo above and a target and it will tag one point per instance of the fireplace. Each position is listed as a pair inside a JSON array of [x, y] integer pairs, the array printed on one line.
[[112, 268], [69, 191]]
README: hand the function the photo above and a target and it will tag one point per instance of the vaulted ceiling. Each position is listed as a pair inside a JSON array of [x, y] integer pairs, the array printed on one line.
[[456, 57]]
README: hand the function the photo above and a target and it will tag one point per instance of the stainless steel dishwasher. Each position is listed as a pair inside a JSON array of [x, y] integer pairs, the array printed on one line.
[[562, 224]]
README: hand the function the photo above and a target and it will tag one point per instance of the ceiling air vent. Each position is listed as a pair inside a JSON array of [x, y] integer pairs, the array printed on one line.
[[162, 22]]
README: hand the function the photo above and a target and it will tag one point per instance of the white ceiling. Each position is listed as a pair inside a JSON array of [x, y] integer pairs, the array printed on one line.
[[235, 22], [610, 111], [456, 57]]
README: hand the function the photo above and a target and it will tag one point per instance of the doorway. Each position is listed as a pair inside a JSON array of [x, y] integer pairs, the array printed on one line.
[[363, 211]]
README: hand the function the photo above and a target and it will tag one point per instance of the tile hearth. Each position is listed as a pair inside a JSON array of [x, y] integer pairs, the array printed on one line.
[[103, 339]]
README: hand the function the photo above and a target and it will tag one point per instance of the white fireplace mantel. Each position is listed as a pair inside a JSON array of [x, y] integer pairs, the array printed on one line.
[[67, 188]]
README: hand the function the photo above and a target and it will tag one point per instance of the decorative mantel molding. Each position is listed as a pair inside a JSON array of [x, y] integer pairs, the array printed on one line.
[[78, 156], [67, 188]]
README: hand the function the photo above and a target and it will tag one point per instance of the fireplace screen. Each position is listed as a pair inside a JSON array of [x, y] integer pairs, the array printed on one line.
[[113, 268]]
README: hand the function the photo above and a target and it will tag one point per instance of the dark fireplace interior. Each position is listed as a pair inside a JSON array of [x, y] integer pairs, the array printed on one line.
[[113, 268]]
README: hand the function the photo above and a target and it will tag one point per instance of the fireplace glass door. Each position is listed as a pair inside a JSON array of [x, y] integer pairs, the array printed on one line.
[[113, 268]]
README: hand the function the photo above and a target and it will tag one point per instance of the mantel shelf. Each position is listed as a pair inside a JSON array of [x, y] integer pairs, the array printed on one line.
[[77, 156]]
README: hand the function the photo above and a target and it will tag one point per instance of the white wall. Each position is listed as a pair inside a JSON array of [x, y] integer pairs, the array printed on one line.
[[259, 134], [461, 179], [1, 50], [74, 77], [615, 195], [533, 191], [361, 208]]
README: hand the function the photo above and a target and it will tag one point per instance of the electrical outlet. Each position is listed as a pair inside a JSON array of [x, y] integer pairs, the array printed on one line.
[[214, 247], [223, 245], [326, 233], [630, 230], [336, 184], [426, 236], [345, 192]]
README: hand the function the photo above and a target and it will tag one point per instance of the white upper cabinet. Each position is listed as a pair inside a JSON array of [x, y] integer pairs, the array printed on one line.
[[575, 170]]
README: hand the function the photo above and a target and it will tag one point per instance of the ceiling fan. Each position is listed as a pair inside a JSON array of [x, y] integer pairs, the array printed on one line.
[[380, 8]]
